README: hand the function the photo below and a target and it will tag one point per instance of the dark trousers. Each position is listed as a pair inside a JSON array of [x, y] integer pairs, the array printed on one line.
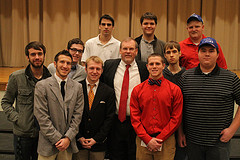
[[180, 153], [122, 140], [220, 151], [25, 148]]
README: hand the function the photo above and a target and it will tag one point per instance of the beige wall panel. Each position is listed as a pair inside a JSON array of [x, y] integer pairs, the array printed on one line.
[[159, 8], [89, 19], [119, 10], [34, 20], [208, 16], [177, 21], [6, 32], [226, 21], [60, 24], [19, 33]]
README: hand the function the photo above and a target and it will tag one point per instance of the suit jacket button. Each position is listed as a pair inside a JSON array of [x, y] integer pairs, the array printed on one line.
[[87, 131], [89, 119]]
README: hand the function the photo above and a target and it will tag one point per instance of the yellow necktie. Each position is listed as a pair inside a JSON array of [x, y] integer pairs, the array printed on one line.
[[90, 96]]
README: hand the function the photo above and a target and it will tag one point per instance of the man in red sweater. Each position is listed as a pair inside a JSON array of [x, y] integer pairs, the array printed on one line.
[[189, 46], [156, 112]]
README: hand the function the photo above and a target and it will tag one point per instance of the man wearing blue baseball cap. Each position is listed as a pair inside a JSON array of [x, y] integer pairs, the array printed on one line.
[[209, 93], [189, 46]]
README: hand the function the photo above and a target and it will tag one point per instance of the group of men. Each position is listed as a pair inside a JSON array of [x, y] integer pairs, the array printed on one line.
[[124, 101]]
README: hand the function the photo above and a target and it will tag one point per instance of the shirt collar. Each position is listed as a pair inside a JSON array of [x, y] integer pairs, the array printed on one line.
[[189, 41], [99, 42], [59, 80], [215, 71], [87, 82], [124, 64], [29, 74]]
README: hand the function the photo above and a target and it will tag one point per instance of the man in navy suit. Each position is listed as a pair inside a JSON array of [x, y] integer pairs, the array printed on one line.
[[99, 110], [122, 143]]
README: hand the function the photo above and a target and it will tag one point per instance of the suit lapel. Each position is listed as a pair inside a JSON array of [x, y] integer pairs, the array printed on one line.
[[113, 70], [54, 86], [85, 93], [97, 96], [69, 90]]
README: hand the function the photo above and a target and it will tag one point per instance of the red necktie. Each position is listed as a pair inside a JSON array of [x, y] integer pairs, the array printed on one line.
[[124, 96]]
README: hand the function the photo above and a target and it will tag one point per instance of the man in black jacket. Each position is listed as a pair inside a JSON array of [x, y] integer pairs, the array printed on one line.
[[148, 42], [99, 110], [122, 136]]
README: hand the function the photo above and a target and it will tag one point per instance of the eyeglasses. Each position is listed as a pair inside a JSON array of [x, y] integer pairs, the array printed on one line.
[[75, 50]]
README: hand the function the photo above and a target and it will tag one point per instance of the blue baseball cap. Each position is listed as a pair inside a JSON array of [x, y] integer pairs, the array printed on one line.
[[194, 17], [208, 41]]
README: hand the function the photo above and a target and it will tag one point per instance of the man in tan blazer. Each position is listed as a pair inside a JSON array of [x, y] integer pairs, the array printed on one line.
[[58, 107]]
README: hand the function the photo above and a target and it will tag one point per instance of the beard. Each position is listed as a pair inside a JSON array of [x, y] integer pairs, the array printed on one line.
[[36, 66]]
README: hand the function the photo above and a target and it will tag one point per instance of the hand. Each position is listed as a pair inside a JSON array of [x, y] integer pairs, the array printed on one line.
[[87, 143], [63, 144], [154, 144], [227, 134], [91, 142], [182, 140]]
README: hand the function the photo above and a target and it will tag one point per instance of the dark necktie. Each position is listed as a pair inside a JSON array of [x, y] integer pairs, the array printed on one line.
[[124, 96], [74, 67], [152, 82], [62, 89]]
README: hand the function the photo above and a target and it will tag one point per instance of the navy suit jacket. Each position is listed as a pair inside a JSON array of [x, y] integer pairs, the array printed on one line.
[[97, 122]]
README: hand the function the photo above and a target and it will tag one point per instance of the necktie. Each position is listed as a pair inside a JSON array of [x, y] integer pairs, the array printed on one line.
[[74, 67], [90, 96], [62, 89], [152, 82], [124, 96]]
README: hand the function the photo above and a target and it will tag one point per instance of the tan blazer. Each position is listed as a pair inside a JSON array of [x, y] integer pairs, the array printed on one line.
[[57, 118]]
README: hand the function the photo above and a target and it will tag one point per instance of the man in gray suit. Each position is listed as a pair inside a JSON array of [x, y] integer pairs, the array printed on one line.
[[58, 114], [75, 47]]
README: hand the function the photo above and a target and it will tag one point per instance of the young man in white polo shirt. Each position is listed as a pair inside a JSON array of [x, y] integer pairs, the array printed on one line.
[[104, 45]]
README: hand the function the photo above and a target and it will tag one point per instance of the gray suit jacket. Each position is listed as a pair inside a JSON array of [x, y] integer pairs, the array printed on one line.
[[57, 118]]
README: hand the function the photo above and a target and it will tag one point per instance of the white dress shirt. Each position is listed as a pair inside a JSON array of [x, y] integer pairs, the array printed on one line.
[[134, 79]]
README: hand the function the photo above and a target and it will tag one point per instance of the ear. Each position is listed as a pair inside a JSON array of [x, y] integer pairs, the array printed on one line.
[[136, 51], [55, 64], [27, 58]]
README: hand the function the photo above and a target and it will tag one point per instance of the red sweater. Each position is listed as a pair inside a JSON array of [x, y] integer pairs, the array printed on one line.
[[189, 57], [156, 109]]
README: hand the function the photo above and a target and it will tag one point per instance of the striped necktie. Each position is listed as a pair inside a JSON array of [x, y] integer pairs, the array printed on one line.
[[90, 96]]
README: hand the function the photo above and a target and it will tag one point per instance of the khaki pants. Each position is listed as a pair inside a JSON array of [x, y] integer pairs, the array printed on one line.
[[58, 156], [88, 155], [167, 153]]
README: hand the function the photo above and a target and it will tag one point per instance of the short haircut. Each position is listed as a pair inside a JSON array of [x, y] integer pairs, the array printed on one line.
[[171, 45], [148, 15], [128, 39], [35, 45], [63, 52], [156, 55], [95, 59], [74, 41], [106, 16]]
